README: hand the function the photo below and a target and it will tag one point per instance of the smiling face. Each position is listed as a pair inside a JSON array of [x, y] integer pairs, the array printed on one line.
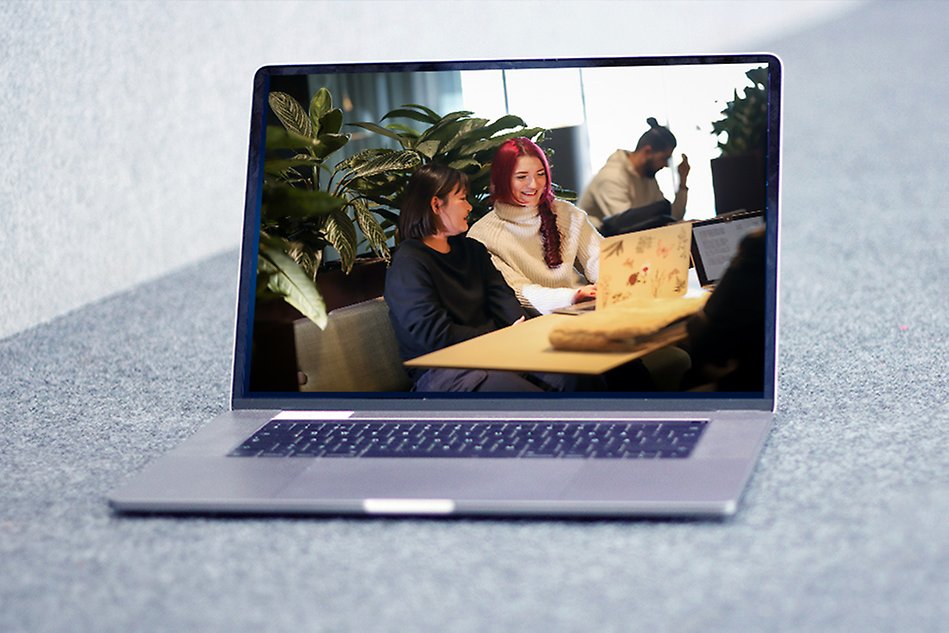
[[529, 181], [452, 212]]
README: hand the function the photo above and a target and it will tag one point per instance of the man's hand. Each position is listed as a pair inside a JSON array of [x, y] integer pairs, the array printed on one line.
[[684, 168], [585, 292]]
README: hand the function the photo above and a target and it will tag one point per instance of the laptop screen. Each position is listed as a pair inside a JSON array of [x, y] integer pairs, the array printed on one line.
[[412, 229], [715, 242]]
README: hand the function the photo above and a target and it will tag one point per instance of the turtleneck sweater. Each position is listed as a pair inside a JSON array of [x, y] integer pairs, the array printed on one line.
[[511, 234]]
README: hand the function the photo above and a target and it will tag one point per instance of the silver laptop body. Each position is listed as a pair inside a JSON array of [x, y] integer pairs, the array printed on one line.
[[206, 475]]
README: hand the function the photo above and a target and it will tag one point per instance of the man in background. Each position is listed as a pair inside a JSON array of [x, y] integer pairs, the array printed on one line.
[[628, 179]]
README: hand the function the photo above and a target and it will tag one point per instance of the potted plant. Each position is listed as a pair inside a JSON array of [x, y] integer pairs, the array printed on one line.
[[307, 206], [738, 175]]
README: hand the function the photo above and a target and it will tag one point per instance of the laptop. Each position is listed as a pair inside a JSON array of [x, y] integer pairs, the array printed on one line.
[[715, 242], [311, 431], [640, 266]]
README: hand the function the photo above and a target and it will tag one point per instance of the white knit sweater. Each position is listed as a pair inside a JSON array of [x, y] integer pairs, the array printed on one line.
[[512, 235]]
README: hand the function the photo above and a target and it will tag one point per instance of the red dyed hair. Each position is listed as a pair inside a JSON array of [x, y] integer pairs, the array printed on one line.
[[502, 173], [502, 169]]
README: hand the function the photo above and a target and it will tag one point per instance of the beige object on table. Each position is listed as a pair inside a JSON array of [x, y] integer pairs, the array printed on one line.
[[622, 327]]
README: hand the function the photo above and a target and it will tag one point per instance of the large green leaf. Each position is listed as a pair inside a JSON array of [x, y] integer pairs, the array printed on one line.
[[378, 129], [279, 138], [320, 104], [371, 228], [331, 122], [283, 201], [491, 145], [467, 165], [408, 113], [405, 130], [380, 163], [462, 134], [287, 279], [433, 116], [360, 157], [428, 148], [443, 130], [291, 114], [506, 122], [341, 234], [326, 144]]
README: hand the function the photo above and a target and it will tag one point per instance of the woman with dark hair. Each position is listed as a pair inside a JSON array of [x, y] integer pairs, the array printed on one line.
[[545, 247], [442, 289]]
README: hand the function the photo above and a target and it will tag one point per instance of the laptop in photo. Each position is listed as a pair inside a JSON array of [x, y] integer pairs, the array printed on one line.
[[642, 265], [323, 417], [715, 242]]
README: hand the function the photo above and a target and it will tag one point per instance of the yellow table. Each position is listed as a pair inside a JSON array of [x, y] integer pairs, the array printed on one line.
[[525, 347]]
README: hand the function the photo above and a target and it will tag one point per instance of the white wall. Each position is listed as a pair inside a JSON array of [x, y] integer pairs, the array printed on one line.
[[123, 126]]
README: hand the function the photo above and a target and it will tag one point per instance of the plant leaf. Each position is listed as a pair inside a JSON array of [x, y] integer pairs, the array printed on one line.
[[360, 156], [320, 104], [423, 117], [326, 144], [378, 129], [284, 201], [463, 133], [279, 138], [506, 122], [450, 121], [427, 149], [464, 164], [371, 228], [433, 116], [392, 160], [291, 114], [341, 234], [287, 279], [490, 145], [331, 122], [404, 129]]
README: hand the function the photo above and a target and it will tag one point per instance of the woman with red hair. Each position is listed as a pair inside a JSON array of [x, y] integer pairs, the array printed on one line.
[[549, 254], [545, 247]]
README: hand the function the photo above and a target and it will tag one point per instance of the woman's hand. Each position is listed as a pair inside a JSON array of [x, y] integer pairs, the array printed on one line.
[[584, 292]]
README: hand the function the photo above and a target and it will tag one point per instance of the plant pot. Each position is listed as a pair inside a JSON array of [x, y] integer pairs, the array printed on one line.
[[367, 280], [738, 183]]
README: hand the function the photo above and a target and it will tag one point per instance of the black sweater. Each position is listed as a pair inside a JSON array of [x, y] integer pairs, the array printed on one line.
[[436, 300]]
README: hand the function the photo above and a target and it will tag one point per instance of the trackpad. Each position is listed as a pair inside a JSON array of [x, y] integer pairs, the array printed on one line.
[[433, 478]]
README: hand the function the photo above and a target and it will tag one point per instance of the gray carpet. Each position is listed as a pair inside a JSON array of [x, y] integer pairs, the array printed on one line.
[[839, 530]]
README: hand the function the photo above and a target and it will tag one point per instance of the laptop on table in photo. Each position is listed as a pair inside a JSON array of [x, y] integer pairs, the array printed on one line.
[[323, 419], [715, 242]]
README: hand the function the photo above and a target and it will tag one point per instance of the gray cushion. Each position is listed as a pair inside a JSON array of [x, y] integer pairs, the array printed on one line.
[[356, 352]]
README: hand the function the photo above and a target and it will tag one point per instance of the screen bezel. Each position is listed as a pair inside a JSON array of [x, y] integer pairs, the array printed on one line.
[[243, 398]]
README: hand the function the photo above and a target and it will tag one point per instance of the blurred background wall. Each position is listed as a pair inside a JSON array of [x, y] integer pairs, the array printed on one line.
[[125, 124]]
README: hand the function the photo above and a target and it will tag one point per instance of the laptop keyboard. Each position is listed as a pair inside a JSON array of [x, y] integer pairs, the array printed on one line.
[[495, 439]]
